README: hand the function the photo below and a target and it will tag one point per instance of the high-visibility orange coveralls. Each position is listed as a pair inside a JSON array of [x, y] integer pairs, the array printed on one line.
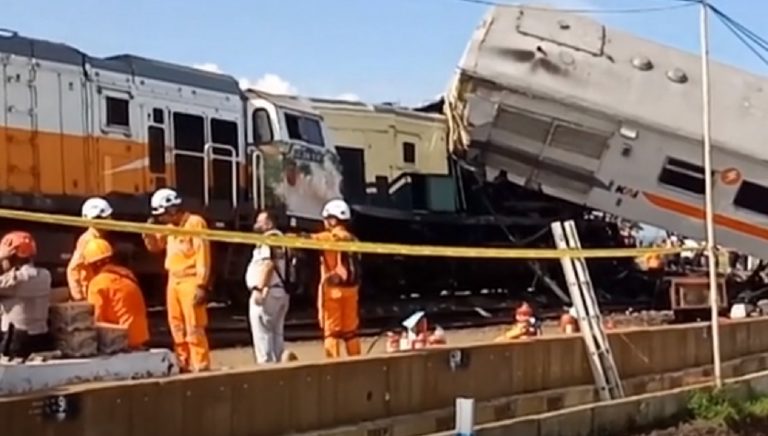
[[77, 273], [337, 307], [188, 262], [117, 299]]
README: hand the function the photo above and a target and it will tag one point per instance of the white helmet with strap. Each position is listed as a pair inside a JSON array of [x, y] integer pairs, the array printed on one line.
[[162, 199], [96, 207], [337, 208]]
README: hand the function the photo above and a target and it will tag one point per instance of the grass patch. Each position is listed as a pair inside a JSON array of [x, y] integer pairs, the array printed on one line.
[[722, 409]]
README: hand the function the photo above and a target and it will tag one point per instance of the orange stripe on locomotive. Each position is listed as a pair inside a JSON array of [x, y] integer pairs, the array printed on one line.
[[50, 163]]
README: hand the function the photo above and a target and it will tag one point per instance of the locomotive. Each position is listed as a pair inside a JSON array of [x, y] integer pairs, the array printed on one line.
[[76, 126]]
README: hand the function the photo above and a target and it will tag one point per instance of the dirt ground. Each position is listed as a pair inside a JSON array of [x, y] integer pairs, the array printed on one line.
[[309, 351]]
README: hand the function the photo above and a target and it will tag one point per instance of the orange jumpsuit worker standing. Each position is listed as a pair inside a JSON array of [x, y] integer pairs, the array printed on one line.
[[337, 298], [115, 294], [77, 273], [188, 262]]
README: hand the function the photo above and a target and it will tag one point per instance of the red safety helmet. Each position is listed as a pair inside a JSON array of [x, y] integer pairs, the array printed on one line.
[[21, 244]]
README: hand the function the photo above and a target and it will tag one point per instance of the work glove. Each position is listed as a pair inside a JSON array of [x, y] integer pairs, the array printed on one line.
[[200, 296]]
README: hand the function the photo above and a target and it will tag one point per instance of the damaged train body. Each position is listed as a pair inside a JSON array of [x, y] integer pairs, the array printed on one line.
[[604, 119], [77, 126]]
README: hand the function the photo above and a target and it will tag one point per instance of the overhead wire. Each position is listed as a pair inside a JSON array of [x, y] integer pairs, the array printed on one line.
[[745, 35]]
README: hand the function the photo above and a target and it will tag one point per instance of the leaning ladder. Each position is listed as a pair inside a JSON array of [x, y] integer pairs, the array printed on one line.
[[590, 321]]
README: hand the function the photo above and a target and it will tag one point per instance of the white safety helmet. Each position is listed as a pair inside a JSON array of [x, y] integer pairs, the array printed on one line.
[[96, 207], [337, 208], [162, 199]]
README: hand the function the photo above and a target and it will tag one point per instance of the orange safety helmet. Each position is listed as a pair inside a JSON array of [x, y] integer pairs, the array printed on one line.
[[95, 250], [21, 244]]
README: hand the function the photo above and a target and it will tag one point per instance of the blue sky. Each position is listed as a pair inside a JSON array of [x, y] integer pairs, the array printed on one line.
[[379, 50]]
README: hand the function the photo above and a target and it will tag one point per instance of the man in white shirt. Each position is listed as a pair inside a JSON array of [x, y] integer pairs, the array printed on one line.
[[268, 305]]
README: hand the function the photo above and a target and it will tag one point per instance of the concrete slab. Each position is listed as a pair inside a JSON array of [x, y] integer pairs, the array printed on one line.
[[16, 379]]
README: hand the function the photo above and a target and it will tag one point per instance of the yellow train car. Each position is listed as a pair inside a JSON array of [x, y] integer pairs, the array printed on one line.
[[391, 156]]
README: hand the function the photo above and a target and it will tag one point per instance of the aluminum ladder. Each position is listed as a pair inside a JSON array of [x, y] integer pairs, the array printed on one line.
[[588, 313]]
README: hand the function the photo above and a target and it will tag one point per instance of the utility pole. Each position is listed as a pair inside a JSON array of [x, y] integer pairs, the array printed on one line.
[[709, 195]]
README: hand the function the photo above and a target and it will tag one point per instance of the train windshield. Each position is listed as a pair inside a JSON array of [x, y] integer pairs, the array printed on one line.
[[304, 128]]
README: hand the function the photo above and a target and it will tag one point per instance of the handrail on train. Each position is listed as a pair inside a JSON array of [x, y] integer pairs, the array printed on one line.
[[257, 176], [208, 158]]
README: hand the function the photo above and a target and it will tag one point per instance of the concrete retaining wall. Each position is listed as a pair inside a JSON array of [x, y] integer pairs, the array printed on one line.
[[617, 417], [306, 397], [487, 412]]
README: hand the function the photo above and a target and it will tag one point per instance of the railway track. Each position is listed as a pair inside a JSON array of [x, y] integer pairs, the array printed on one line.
[[229, 328]]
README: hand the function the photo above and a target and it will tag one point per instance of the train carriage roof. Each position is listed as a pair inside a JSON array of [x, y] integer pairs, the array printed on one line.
[[617, 73], [15, 44]]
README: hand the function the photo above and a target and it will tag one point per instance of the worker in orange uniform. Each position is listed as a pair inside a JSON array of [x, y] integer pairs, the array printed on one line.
[[77, 274], [115, 294], [524, 327], [188, 262], [337, 299]]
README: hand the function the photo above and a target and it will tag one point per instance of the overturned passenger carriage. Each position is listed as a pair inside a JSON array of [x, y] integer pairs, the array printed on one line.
[[601, 118]]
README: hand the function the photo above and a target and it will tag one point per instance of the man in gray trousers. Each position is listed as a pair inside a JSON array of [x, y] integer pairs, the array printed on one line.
[[268, 304]]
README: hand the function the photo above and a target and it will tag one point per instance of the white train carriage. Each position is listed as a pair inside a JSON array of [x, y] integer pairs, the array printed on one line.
[[605, 119]]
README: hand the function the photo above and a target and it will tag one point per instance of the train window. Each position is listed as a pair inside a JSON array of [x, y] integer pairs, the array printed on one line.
[[118, 114], [262, 127], [224, 132], [304, 129], [156, 140], [683, 175], [158, 116], [752, 196], [188, 132], [409, 152]]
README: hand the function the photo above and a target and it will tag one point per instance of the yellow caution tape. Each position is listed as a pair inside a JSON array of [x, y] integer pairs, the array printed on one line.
[[309, 244]]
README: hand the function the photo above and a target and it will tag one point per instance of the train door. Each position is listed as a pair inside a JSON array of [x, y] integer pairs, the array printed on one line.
[[353, 183], [189, 156], [157, 131], [222, 157]]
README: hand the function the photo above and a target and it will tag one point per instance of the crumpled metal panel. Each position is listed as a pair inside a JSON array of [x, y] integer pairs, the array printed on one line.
[[18, 379]]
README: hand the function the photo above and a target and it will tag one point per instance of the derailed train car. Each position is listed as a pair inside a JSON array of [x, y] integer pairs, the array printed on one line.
[[75, 126], [604, 119], [405, 186]]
